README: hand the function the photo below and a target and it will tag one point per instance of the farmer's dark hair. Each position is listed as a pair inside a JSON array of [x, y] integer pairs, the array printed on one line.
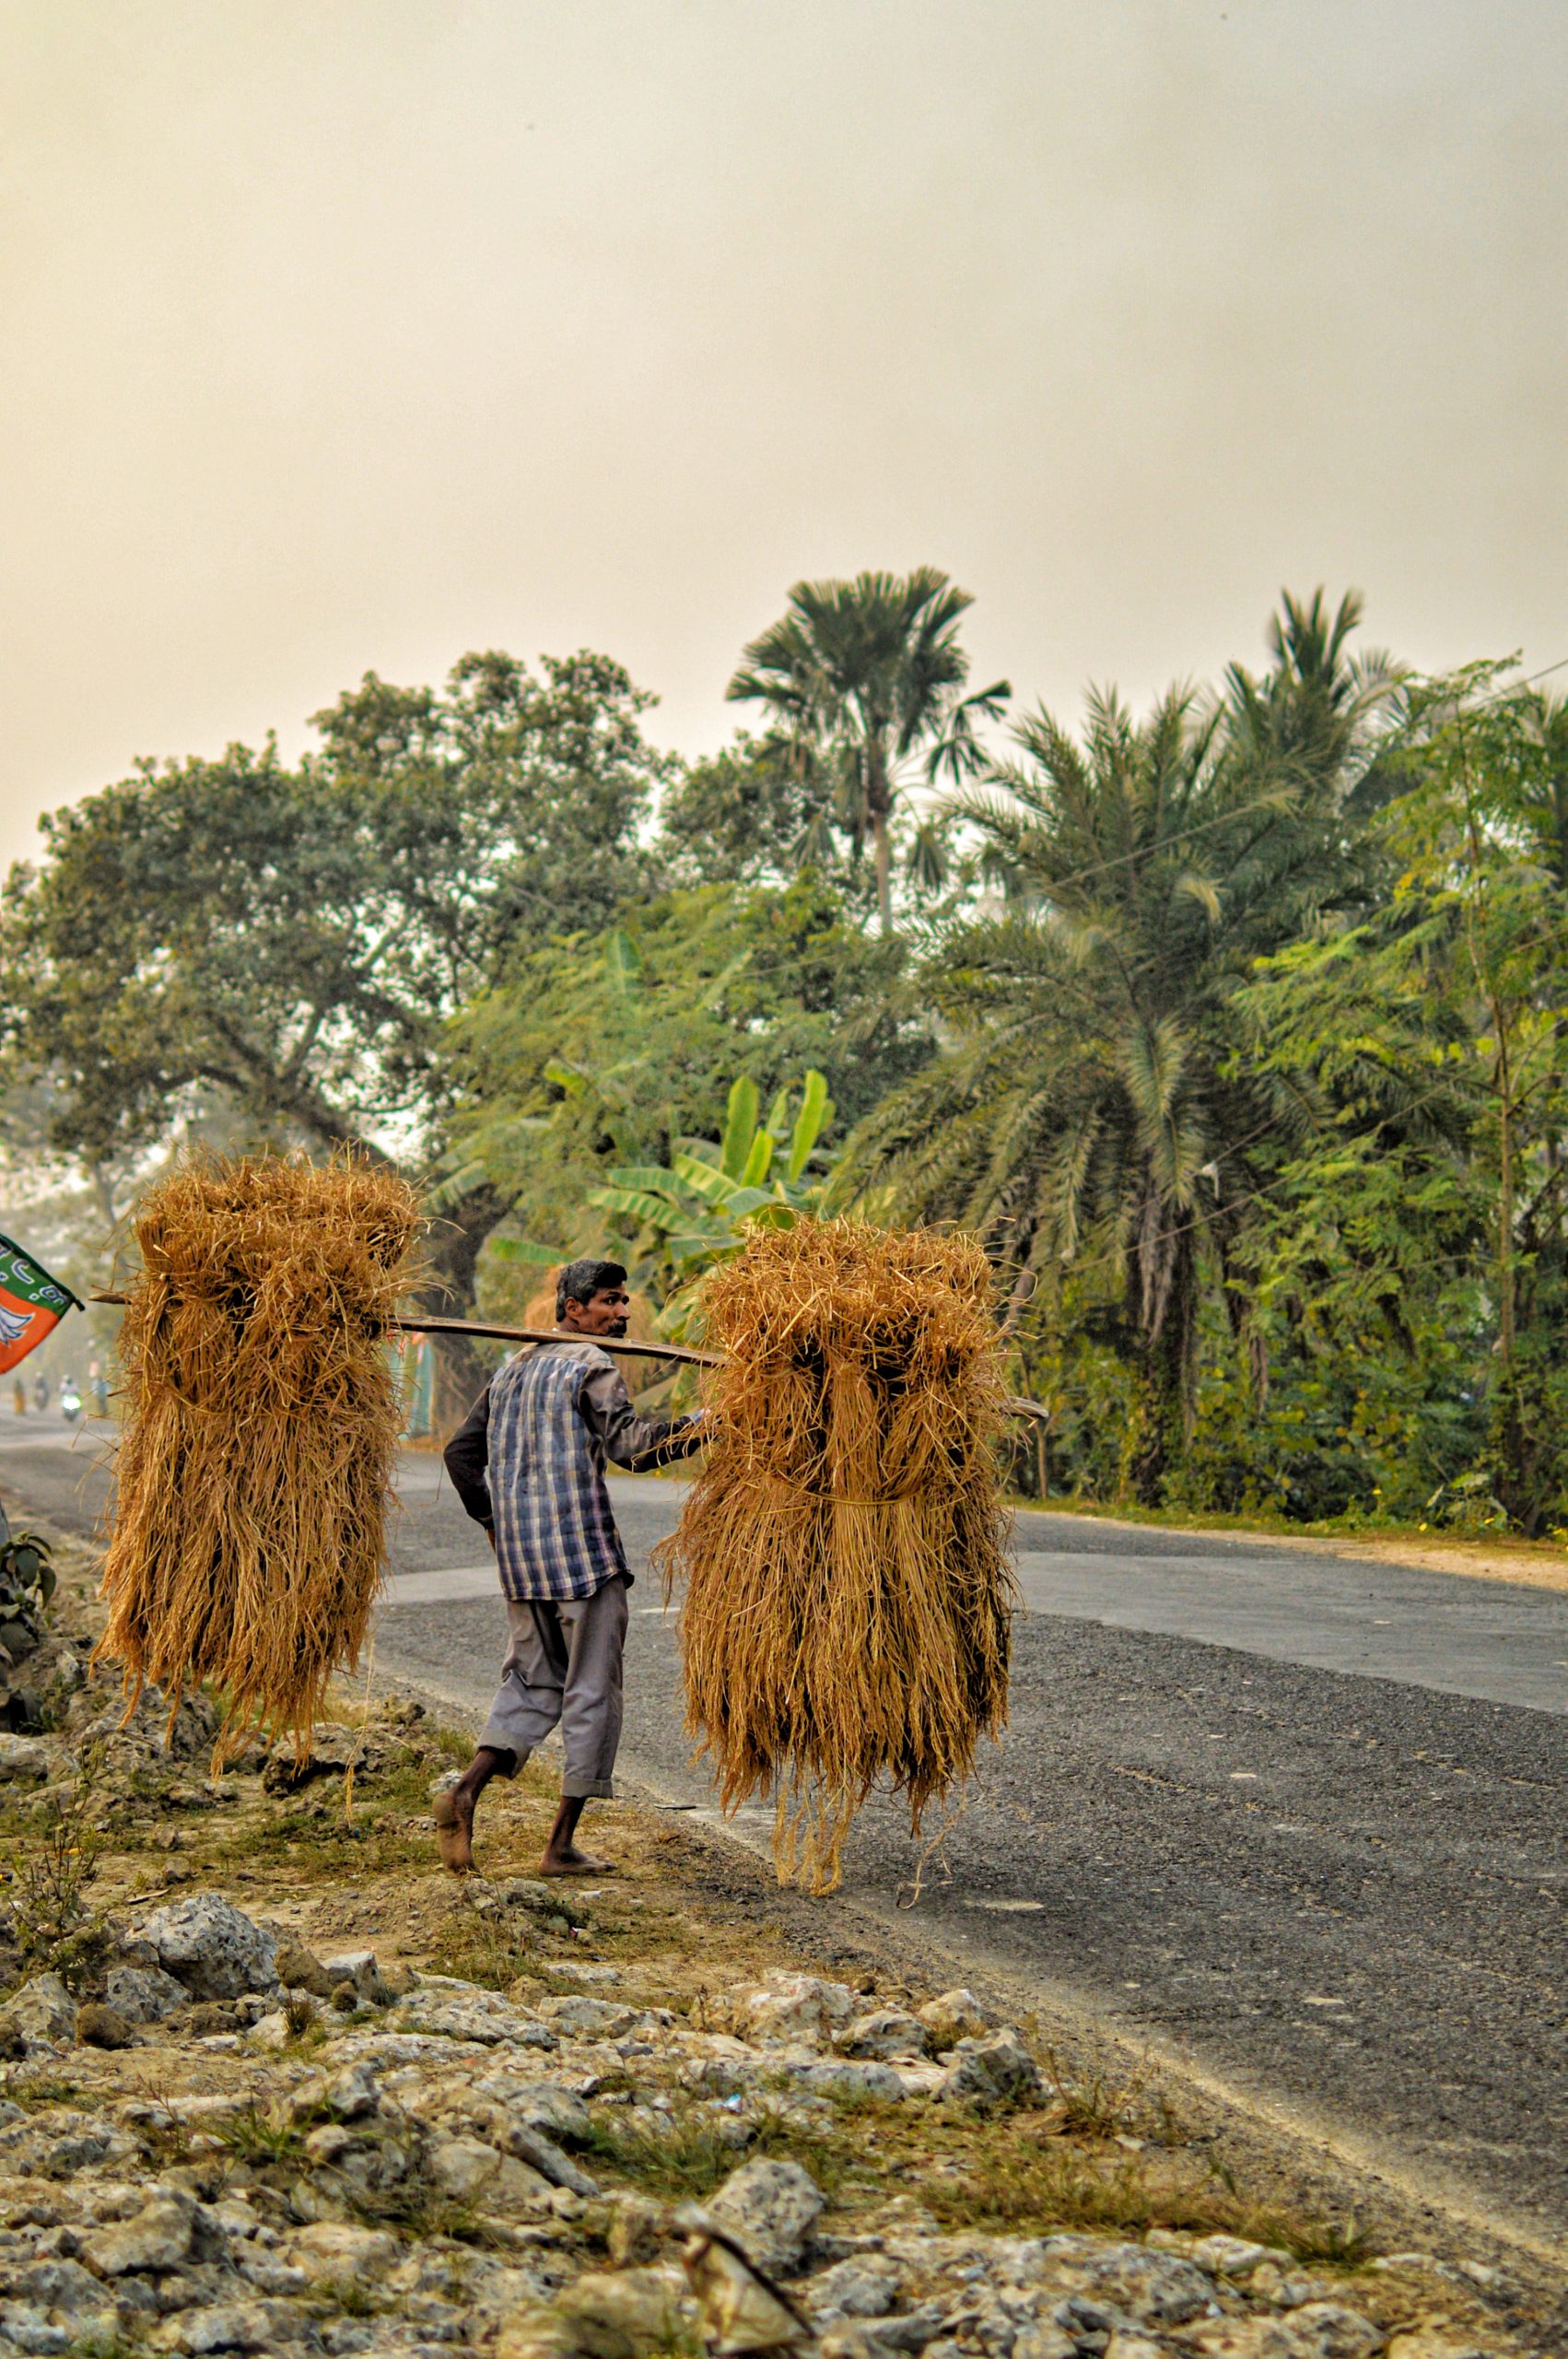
[[580, 1281]]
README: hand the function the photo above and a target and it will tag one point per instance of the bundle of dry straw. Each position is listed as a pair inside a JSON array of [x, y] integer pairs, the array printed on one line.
[[262, 1424], [846, 1593]]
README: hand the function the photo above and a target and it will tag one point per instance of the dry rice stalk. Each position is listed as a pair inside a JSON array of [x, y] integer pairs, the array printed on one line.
[[847, 1598], [258, 1452]]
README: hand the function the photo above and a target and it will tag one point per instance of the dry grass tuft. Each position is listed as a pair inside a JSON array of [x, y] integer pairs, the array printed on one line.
[[261, 1430], [847, 1598]]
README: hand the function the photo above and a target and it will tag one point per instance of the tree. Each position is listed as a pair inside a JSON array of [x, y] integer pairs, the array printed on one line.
[[864, 677], [622, 1049], [1447, 1008], [1094, 1115], [696, 1210], [751, 814], [289, 942]]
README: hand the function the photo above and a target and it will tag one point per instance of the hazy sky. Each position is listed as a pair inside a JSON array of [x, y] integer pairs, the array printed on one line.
[[349, 333]]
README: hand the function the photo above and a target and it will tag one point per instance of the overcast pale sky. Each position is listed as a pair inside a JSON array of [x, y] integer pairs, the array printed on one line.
[[354, 335]]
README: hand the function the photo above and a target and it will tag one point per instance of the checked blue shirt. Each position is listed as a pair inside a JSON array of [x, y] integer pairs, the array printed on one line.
[[530, 1460]]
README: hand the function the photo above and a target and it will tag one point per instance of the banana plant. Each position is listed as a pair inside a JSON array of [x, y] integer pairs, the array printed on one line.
[[695, 1210]]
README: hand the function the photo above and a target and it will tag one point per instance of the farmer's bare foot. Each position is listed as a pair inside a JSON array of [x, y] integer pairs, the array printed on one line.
[[455, 1830], [573, 1862]]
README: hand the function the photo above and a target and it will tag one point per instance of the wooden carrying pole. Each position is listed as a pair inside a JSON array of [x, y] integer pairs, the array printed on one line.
[[620, 1344]]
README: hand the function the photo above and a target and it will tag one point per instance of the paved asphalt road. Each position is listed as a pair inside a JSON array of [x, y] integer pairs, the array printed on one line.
[[1301, 1817]]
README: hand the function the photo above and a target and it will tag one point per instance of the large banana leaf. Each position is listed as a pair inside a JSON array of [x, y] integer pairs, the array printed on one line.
[[759, 1162], [816, 1112], [713, 1187], [740, 1126], [638, 1204], [650, 1176]]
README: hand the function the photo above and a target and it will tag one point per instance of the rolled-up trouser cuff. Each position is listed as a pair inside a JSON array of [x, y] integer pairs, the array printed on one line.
[[587, 1790], [502, 1740]]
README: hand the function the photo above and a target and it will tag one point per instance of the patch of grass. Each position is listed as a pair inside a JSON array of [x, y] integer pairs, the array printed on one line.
[[1105, 2100], [1355, 1524], [32, 2092], [343, 2297], [55, 1867], [258, 2137], [482, 1954], [692, 2155], [106, 2343], [1008, 2184]]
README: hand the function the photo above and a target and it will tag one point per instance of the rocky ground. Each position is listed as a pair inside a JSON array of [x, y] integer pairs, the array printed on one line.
[[272, 2082]]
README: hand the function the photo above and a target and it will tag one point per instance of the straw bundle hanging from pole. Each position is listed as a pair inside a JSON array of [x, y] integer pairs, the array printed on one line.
[[260, 1431], [847, 1596]]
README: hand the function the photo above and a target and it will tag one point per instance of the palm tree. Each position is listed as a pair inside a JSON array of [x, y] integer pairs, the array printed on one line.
[[1092, 1109], [863, 675]]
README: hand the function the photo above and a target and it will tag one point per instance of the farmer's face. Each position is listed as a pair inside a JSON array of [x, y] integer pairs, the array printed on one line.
[[605, 1314]]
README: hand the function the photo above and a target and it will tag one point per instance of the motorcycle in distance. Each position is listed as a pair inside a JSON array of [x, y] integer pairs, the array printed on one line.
[[70, 1402]]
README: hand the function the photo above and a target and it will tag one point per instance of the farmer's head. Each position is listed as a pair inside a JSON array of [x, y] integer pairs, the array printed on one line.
[[591, 1298]]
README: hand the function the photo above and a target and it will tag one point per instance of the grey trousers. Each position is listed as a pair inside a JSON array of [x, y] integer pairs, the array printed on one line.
[[562, 1668]]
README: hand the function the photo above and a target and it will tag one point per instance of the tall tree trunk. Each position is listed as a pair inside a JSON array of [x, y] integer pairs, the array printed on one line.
[[879, 807], [884, 870], [1158, 1413], [1162, 1294], [448, 1293]]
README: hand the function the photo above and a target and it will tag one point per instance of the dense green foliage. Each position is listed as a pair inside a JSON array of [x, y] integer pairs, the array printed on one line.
[[1239, 1029]]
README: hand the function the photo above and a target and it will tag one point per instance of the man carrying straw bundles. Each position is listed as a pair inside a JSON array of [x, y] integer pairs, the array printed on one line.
[[529, 1465]]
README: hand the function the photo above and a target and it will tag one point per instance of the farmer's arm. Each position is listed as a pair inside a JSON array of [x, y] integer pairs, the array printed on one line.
[[467, 1455], [638, 1444]]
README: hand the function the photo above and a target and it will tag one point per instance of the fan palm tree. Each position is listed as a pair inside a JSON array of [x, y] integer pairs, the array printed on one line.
[[865, 677], [1092, 1109]]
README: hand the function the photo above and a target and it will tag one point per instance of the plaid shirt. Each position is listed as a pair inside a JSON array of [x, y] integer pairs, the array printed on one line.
[[530, 1462]]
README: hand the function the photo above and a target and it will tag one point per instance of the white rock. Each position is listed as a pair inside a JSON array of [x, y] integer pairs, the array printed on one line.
[[26, 2328], [596, 2018], [794, 2007], [955, 2015], [23, 1760], [474, 2015], [1044, 2340], [272, 2032], [158, 2237], [236, 2326], [352, 2094], [539, 2105], [1251, 2338], [461, 2166], [43, 2009], [1328, 2331], [1228, 2256], [1436, 2341], [918, 2080], [995, 2070], [211, 1947], [625, 2313], [864, 2287], [770, 2208], [852, 2076], [1151, 2288], [332, 2248], [144, 1994], [357, 1966], [887, 2032]]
